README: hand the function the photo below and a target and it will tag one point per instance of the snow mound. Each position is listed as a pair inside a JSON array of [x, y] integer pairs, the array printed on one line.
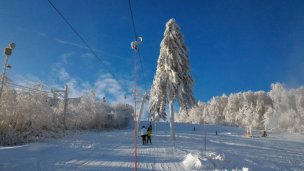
[[197, 162], [215, 156], [192, 162]]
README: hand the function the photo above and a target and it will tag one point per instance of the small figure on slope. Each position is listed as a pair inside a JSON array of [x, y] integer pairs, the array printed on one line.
[[149, 134], [143, 133], [264, 134]]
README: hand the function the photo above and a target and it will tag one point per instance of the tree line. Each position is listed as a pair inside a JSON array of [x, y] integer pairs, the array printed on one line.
[[27, 115], [279, 109]]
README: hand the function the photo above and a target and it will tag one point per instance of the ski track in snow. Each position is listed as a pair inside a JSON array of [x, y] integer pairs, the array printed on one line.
[[113, 150]]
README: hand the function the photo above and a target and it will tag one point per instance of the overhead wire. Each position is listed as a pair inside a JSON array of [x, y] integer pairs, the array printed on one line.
[[27, 88], [142, 69], [30, 89], [84, 42], [135, 101], [33, 84], [138, 50], [132, 18], [75, 31], [33, 89]]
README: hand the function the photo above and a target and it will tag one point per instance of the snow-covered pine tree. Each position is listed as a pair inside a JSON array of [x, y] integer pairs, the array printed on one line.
[[172, 81]]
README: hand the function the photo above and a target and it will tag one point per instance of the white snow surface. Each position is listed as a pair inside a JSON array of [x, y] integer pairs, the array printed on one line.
[[113, 150], [192, 162]]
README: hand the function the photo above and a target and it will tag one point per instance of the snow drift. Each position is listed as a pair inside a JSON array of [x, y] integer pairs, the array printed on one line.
[[192, 162]]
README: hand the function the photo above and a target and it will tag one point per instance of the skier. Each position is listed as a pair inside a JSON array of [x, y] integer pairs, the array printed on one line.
[[264, 134], [143, 133], [149, 134]]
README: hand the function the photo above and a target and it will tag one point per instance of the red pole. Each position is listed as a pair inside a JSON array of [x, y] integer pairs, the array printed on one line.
[[135, 122]]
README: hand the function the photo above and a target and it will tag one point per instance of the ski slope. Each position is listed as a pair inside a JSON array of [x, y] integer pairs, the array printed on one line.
[[113, 150]]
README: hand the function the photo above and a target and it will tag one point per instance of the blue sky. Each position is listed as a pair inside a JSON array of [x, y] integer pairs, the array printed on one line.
[[233, 46]]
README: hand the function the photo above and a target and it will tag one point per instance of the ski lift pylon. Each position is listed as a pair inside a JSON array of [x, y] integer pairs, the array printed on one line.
[[134, 44]]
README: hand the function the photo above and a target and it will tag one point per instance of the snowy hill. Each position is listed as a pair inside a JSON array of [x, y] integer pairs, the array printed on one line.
[[113, 150]]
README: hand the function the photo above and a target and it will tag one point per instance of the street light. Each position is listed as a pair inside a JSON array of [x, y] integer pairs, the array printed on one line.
[[7, 52]]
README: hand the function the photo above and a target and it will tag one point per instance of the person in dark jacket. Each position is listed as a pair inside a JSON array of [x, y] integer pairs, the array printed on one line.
[[149, 134]]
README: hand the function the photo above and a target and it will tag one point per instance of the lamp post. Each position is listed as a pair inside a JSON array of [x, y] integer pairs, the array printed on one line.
[[7, 52]]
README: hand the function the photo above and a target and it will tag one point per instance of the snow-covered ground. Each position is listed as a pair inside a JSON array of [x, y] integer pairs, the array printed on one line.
[[113, 150]]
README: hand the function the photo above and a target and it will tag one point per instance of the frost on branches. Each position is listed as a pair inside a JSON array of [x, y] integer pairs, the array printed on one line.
[[280, 109], [172, 81], [27, 116]]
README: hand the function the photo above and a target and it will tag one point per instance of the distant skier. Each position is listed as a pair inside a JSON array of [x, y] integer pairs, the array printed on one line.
[[215, 132], [149, 134], [193, 128], [264, 134], [143, 133]]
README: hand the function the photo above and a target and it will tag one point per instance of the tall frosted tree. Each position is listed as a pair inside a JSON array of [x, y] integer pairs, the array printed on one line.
[[172, 81]]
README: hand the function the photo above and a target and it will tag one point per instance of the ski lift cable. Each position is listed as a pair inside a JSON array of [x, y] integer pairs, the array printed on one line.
[[84, 42], [136, 51], [142, 69], [28, 88], [137, 39], [33, 83], [24, 87], [33, 91], [75, 31], [133, 22], [134, 46]]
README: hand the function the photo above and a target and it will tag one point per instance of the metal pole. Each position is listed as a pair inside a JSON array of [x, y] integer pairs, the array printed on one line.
[[141, 110], [3, 75], [65, 104]]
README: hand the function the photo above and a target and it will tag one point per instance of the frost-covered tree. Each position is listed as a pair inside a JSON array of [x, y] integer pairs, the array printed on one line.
[[231, 111], [172, 81], [194, 115], [214, 110], [288, 108], [27, 115], [122, 114], [279, 109]]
